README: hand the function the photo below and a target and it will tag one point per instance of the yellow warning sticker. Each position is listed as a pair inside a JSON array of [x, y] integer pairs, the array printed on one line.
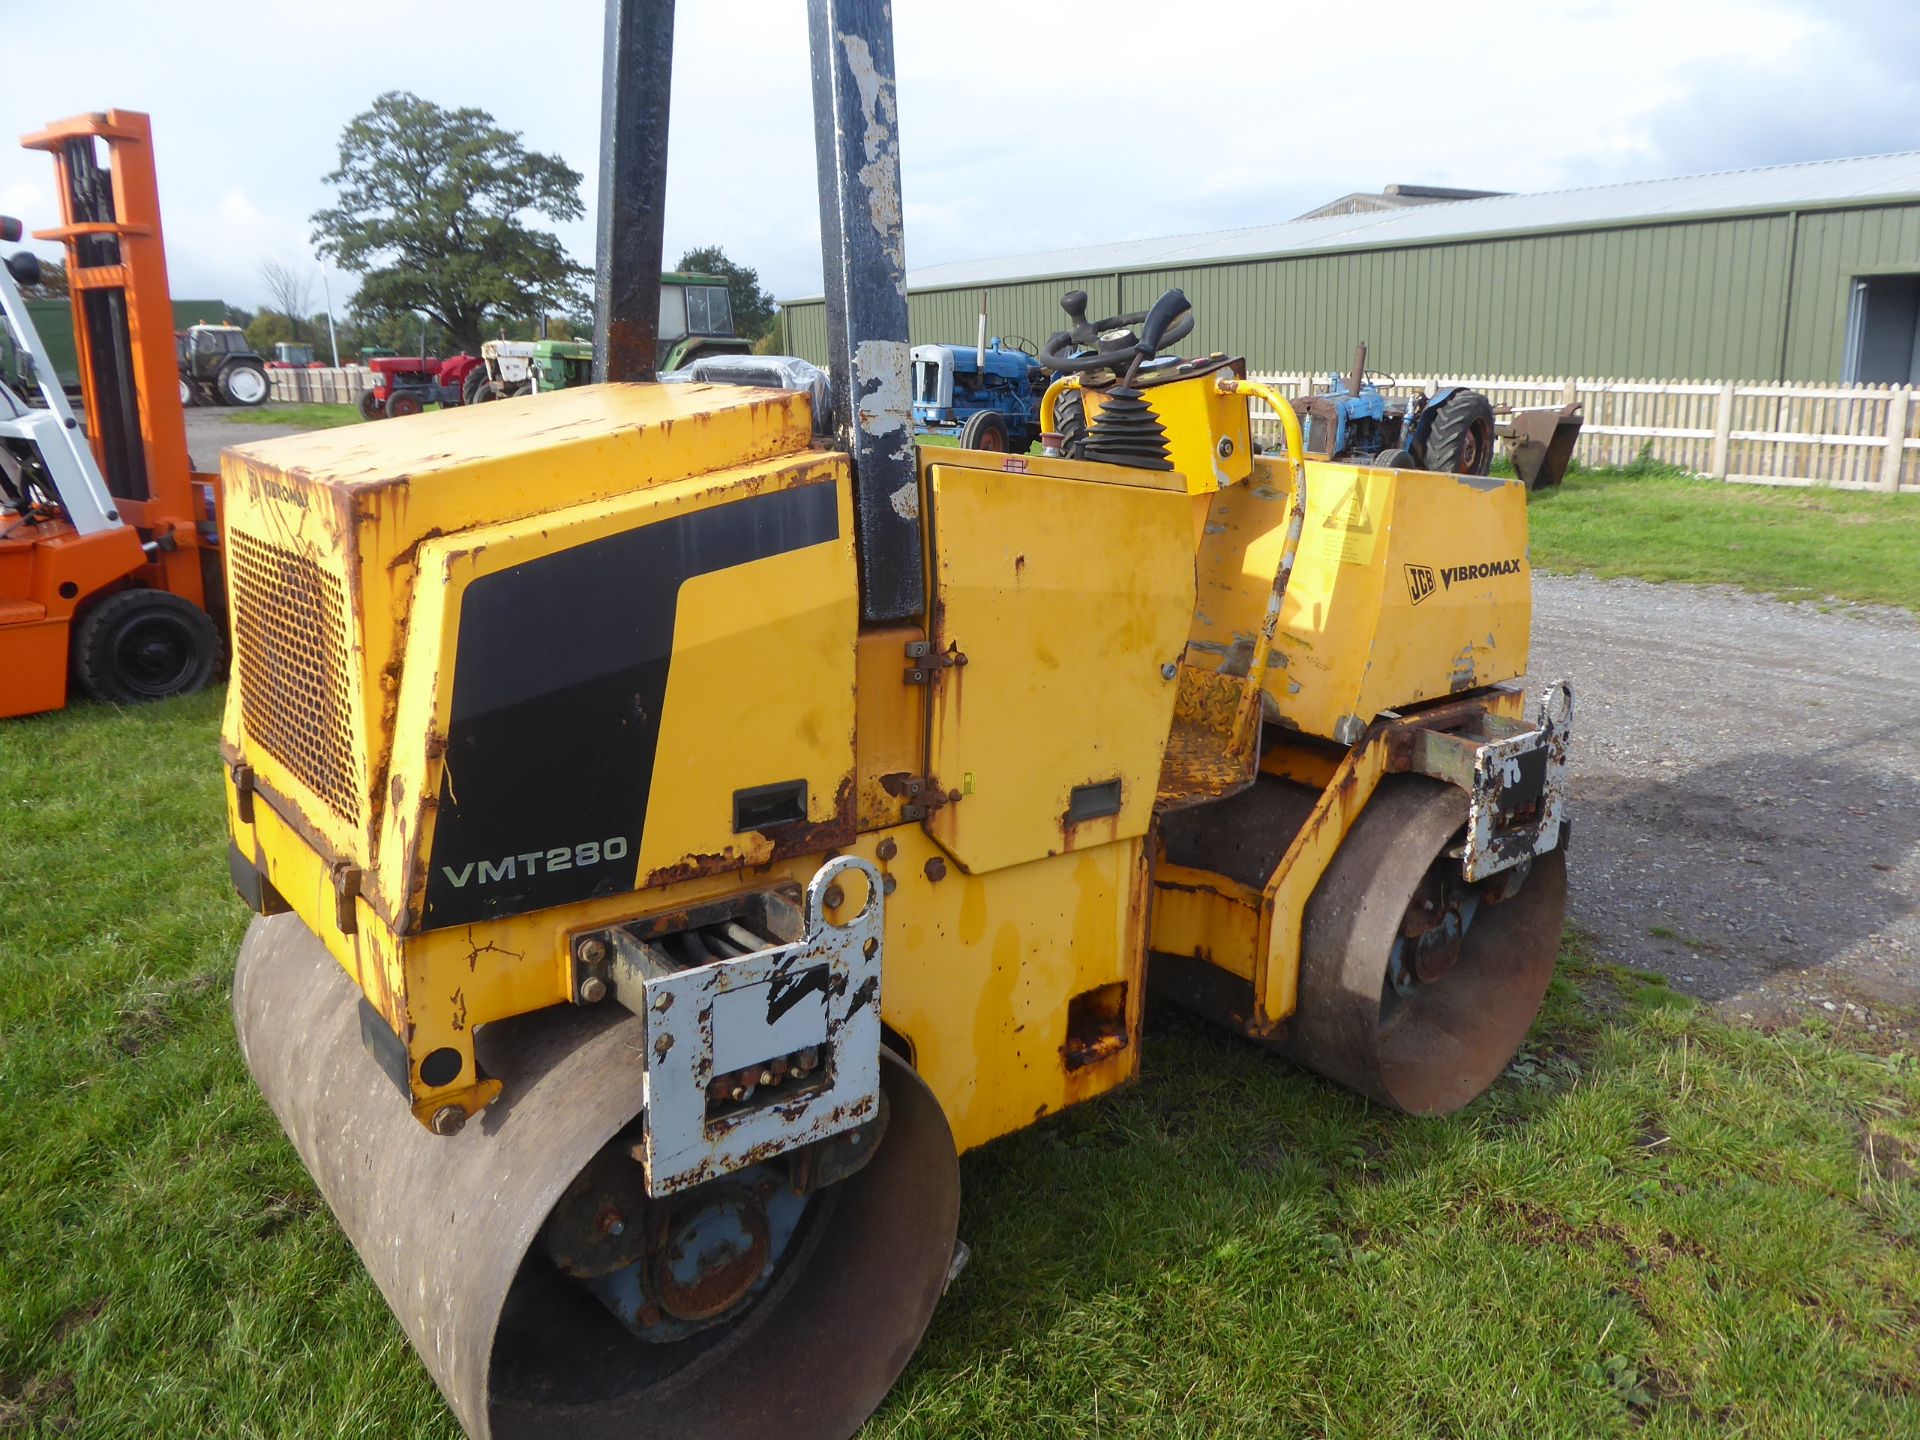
[[1350, 531]]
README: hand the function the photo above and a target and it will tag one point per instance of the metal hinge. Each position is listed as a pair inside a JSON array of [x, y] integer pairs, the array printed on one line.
[[243, 793], [923, 660], [922, 796], [346, 889]]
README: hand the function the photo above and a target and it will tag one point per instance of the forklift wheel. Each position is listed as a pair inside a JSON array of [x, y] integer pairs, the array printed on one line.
[[370, 406], [138, 645]]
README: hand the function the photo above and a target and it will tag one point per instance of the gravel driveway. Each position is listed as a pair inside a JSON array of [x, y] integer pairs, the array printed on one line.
[[209, 431], [1746, 791]]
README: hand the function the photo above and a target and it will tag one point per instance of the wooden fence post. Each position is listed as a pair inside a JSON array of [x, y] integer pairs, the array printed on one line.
[[1898, 403], [1722, 431]]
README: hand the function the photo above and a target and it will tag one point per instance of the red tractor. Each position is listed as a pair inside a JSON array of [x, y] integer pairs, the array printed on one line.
[[407, 384]]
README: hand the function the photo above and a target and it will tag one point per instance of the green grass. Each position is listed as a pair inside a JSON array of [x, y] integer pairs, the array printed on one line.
[[312, 417], [1653, 1224], [1656, 522]]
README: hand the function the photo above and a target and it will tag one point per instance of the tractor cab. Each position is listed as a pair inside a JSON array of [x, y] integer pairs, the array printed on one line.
[[696, 319], [288, 355]]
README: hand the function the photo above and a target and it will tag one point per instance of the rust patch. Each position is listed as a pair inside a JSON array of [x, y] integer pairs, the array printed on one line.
[[839, 829]]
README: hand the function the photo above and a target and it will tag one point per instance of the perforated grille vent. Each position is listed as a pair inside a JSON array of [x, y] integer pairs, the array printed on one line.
[[290, 639]]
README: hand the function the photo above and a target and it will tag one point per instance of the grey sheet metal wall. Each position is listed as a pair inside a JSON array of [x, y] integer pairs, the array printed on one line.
[[1750, 297]]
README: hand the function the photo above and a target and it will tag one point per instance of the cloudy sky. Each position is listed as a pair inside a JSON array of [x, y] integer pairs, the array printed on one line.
[[1026, 127]]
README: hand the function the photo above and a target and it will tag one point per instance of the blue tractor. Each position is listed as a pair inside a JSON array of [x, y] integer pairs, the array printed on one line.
[[987, 396], [1451, 431]]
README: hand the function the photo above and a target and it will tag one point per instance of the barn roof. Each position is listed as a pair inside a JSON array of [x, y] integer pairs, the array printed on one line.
[[1811, 184]]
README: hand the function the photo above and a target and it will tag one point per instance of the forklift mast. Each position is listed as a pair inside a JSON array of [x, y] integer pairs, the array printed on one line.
[[123, 335]]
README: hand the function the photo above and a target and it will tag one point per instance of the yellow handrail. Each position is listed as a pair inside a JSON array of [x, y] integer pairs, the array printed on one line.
[[1047, 427], [1229, 383]]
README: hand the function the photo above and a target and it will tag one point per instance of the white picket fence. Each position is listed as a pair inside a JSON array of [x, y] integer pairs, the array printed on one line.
[[343, 386], [1852, 437]]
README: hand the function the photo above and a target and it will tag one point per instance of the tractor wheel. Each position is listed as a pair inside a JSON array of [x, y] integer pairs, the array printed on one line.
[[187, 392], [138, 645], [475, 388], [371, 407], [519, 388], [401, 403], [1395, 459], [987, 430], [1460, 439], [1070, 420], [244, 383]]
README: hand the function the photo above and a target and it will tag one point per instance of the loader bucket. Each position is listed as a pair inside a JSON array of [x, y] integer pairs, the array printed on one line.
[[1541, 443]]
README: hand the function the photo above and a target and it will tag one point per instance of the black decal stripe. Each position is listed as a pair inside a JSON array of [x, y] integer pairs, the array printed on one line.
[[559, 679]]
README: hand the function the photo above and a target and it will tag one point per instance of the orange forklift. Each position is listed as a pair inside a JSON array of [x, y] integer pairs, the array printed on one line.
[[109, 543]]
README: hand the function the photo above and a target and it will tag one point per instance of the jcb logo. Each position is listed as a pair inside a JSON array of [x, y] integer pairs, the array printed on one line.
[[1419, 582]]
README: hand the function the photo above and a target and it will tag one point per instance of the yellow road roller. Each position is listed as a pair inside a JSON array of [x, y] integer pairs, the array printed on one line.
[[682, 823]]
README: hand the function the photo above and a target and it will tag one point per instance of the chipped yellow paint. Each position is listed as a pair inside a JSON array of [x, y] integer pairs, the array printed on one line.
[[1060, 607]]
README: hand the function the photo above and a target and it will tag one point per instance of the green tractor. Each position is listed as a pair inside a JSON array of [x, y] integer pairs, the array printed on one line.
[[696, 320], [529, 367]]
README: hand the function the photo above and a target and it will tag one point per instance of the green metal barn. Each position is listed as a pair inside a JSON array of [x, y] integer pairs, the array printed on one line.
[[1804, 272]]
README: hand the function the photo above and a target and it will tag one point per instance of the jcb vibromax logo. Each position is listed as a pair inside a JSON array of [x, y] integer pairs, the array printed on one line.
[[1420, 578]]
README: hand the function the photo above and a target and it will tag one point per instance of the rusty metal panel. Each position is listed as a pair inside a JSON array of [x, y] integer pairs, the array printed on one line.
[[293, 647], [819, 995], [1061, 608]]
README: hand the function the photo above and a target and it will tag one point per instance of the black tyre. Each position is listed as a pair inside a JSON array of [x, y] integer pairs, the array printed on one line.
[[987, 430], [1395, 459], [245, 383], [139, 645], [472, 392], [1070, 419], [402, 403], [1460, 438], [370, 406], [188, 391], [519, 388]]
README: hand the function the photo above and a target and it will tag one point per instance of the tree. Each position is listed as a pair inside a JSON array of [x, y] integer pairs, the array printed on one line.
[[753, 310], [429, 213], [288, 291]]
